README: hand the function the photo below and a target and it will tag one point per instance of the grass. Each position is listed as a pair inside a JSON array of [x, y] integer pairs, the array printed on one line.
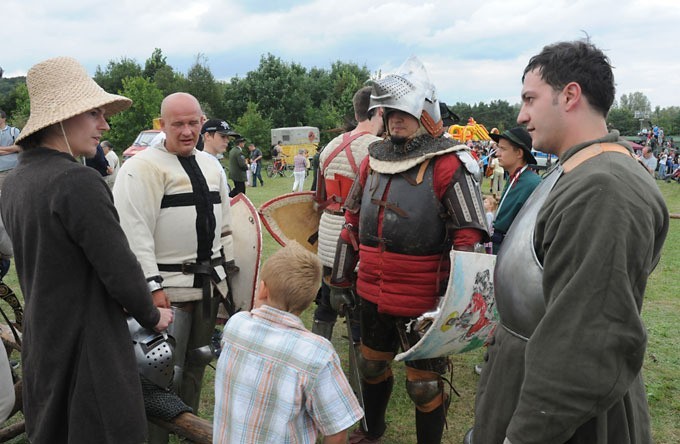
[[661, 370]]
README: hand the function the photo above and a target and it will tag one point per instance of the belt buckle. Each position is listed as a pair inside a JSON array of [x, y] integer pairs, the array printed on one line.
[[184, 268]]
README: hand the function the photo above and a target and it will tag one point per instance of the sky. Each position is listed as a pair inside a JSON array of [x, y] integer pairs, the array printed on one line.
[[474, 51]]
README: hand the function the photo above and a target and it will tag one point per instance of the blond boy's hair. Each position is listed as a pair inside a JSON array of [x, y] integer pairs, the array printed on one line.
[[293, 277], [493, 199]]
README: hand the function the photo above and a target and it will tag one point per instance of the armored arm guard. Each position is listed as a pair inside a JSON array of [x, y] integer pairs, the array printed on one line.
[[463, 202], [347, 250], [346, 258], [353, 200]]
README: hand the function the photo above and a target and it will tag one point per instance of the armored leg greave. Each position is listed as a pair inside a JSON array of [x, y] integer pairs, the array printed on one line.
[[430, 425], [376, 397], [323, 328], [180, 330], [198, 353]]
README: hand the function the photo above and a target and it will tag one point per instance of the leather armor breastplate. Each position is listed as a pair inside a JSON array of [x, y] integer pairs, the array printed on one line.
[[412, 221], [518, 273]]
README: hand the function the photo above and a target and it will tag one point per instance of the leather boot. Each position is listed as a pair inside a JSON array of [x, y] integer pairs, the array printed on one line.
[[430, 425], [323, 328], [376, 397]]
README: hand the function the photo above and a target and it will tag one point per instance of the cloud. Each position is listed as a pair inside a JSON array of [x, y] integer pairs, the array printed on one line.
[[475, 51]]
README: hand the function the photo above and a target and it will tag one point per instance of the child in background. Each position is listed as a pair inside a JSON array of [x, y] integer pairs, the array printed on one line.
[[490, 207], [276, 381]]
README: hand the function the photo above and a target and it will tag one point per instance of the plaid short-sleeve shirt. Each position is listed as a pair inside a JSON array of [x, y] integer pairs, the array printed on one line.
[[278, 382]]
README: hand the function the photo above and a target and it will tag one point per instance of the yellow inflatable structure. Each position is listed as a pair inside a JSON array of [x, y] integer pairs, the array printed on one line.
[[472, 131]]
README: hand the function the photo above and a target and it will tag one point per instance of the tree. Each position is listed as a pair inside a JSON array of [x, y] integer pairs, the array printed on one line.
[[201, 84], [169, 81], [255, 128], [498, 113], [636, 102], [146, 105], [111, 79], [12, 91], [234, 99], [668, 119], [346, 80], [327, 117], [623, 119], [289, 95], [22, 107], [279, 90], [154, 63]]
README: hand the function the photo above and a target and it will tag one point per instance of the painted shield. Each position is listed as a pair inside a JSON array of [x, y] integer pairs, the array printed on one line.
[[293, 216], [466, 316], [247, 234]]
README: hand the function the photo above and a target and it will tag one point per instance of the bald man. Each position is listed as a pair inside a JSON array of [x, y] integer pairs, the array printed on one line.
[[174, 208]]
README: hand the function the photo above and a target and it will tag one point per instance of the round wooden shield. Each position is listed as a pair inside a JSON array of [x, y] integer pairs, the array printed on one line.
[[292, 216]]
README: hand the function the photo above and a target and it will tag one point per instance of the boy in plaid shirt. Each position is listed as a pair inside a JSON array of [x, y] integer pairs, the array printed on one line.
[[275, 380]]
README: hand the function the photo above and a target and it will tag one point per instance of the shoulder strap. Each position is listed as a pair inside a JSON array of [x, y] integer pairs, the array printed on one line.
[[592, 151], [347, 139]]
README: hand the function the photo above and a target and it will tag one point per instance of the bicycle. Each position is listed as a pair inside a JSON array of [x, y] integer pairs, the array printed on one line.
[[277, 168]]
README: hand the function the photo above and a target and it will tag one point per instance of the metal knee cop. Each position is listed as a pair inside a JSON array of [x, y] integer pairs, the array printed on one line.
[[424, 392], [371, 369]]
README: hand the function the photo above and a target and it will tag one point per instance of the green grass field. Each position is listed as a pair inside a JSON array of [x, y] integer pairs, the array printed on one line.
[[661, 314]]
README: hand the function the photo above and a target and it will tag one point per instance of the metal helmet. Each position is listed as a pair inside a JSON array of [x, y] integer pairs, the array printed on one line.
[[409, 90], [155, 353]]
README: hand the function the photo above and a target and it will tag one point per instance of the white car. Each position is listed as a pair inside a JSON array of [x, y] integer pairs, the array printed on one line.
[[543, 160]]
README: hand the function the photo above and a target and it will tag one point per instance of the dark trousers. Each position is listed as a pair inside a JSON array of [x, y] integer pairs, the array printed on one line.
[[258, 175], [239, 187]]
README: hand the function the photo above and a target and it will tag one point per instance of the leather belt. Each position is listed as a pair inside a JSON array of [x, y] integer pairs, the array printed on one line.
[[205, 269]]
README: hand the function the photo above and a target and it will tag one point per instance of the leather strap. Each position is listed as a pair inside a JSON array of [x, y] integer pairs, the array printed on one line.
[[593, 151], [421, 171], [347, 139]]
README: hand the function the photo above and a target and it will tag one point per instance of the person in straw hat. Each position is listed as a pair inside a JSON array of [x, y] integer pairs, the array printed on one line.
[[75, 268]]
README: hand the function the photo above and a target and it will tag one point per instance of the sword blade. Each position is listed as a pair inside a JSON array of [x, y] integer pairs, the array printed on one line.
[[354, 375]]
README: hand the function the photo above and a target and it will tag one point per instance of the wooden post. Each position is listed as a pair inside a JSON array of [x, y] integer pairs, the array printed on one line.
[[189, 426], [12, 431]]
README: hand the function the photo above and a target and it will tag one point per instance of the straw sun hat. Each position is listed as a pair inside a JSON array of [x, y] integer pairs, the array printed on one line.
[[59, 89]]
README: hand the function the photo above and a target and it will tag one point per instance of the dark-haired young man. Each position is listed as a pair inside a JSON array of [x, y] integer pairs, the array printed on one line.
[[338, 167], [564, 365]]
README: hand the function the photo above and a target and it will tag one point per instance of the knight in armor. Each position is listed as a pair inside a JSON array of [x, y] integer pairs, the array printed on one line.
[[338, 167], [175, 210], [564, 365], [414, 199]]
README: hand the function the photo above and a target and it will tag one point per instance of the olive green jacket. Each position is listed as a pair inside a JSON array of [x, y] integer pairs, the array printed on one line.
[[577, 379]]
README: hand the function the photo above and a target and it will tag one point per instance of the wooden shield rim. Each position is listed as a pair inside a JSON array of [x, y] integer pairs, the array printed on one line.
[[243, 198], [272, 203]]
